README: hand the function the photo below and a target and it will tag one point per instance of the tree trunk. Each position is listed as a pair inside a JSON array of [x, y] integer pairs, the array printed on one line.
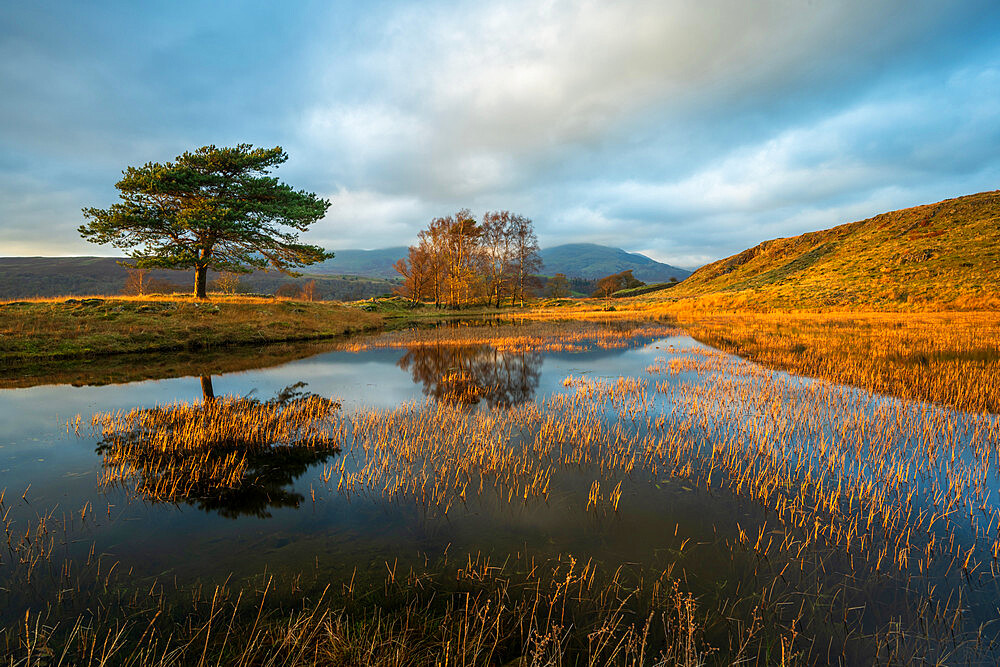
[[520, 282], [200, 281]]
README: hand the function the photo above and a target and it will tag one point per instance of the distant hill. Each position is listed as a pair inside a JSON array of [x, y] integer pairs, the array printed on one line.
[[371, 263], [576, 260], [589, 260], [351, 274], [946, 253], [27, 277]]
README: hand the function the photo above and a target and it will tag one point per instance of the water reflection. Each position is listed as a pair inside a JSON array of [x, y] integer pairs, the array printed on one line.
[[468, 374], [207, 391], [122, 368], [236, 456], [265, 485]]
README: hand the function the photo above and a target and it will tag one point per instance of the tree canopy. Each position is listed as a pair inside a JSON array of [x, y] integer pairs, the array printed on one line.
[[459, 260], [214, 208], [608, 285]]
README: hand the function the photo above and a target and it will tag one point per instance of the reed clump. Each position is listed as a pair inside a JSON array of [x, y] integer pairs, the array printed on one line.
[[182, 451]]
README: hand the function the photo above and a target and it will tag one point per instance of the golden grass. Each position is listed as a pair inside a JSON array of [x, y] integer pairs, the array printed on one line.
[[522, 611], [765, 301], [938, 256], [214, 297], [947, 358]]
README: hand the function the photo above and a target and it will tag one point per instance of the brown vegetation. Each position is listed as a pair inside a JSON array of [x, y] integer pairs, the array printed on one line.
[[616, 282], [947, 358]]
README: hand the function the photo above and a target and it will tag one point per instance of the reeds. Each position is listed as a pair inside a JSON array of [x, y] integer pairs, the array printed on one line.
[[523, 611], [947, 358], [197, 450], [855, 495]]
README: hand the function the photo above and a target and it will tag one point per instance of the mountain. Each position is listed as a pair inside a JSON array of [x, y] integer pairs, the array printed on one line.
[[589, 260], [576, 260], [946, 253], [371, 263]]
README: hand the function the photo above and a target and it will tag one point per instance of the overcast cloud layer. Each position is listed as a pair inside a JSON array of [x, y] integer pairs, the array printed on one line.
[[684, 130]]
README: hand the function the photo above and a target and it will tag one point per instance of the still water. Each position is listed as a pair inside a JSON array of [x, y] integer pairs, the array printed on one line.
[[294, 517]]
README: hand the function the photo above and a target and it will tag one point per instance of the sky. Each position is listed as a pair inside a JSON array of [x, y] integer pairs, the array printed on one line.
[[685, 130]]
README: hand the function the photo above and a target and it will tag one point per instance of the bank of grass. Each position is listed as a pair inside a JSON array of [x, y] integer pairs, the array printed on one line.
[[45, 330], [791, 300], [670, 302], [40, 338]]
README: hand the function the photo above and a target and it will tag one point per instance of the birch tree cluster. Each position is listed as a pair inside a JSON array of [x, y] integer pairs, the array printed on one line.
[[459, 260]]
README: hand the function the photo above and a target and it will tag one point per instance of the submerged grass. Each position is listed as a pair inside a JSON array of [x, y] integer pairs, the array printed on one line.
[[522, 611]]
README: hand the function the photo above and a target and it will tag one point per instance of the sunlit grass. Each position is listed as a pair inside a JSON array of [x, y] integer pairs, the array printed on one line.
[[181, 451], [51, 329], [948, 358], [213, 297]]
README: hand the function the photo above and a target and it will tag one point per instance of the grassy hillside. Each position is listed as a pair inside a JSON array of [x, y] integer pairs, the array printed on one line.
[[43, 277], [945, 254], [588, 260]]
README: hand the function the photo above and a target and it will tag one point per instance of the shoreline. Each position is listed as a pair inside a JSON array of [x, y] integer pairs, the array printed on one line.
[[58, 332]]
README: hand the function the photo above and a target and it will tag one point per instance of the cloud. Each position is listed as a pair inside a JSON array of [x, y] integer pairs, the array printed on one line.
[[685, 129], [530, 80], [357, 217], [24, 201], [890, 150]]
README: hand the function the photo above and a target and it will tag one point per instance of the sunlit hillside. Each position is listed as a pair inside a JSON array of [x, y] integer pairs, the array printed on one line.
[[946, 253]]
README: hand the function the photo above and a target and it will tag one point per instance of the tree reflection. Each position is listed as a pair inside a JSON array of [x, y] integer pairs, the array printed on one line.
[[263, 486], [207, 391], [468, 374], [237, 456]]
